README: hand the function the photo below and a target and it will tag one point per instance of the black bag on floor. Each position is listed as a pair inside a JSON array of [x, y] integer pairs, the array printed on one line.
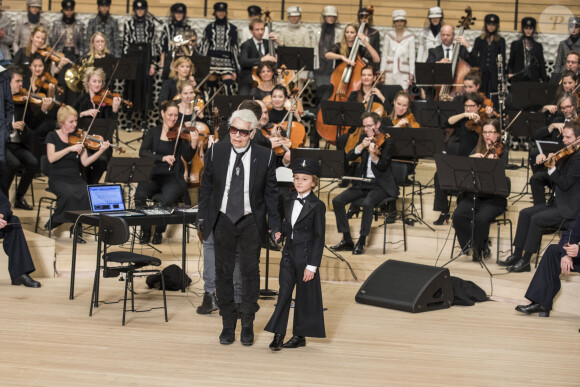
[[466, 293], [173, 276]]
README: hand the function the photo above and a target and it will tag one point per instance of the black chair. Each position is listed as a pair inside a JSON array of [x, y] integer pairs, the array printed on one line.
[[399, 171], [115, 231], [50, 201]]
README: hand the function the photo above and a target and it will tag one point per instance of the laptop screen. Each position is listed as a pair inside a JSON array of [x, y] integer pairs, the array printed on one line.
[[106, 198]]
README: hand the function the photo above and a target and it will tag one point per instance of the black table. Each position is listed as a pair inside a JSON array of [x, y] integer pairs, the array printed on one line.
[[183, 218]]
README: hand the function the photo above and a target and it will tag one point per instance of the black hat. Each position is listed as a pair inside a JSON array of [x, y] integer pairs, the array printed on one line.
[[306, 166], [221, 6], [363, 10], [178, 8], [68, 4], [140, 4], [492, 18], [528, 22], [254, 10], [104, 3]]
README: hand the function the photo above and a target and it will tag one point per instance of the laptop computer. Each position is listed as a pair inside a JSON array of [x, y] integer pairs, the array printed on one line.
[[108, 199]]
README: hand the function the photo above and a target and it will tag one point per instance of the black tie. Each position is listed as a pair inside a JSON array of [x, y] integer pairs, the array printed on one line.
[[301, 200], [260, 48], [447, 53], [235, 206]]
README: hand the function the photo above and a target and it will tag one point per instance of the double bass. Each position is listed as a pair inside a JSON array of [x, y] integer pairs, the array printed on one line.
[[459, 67], [271, 47], [345, 79]]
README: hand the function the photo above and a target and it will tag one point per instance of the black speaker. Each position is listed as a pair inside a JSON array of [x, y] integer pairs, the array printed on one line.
[[406, 286]]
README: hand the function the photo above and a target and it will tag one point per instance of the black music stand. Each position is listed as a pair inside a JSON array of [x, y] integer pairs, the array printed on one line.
[[342, 114], [435, 114], [227, 104], [202, 65], [127, 71], [469, 174], [416, 143], [432, 74], [527, 95], [295, 58]]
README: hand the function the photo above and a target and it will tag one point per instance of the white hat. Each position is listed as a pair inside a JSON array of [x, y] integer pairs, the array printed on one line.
[[294, 11], [435, 12], [329, 10], [34, 3], [399, 14]]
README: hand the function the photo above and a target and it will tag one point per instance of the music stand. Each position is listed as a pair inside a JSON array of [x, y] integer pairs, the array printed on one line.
[[127, 68], [469, 174], [295, 58], [202, 65], [341, 114], [227, 104], [435, 114], [547, 147], [128, 170], [432, 74], [526, 95]]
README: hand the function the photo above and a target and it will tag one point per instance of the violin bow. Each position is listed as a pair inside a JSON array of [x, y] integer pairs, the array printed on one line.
[[53, 46], [375, 83], [198, 86], [27, 100], [505, 131]]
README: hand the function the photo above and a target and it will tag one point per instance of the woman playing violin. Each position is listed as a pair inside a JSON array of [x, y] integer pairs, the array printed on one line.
[[65, 178], [401, 114], [182, 69], [471, 84], [279, 110], [167, 184], [487, 206], [341, 51], [187, 101], [37, 40], [266, 71]]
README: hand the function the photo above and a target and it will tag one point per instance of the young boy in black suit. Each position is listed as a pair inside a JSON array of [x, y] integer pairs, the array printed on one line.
[[304, 228]]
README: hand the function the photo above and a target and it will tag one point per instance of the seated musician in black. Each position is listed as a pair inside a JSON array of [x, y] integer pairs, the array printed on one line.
[[374, 165], [487, 207], [280, 103], [167, 184], [565, 175], [182, 69], [266, 72], [252, 52], [341, 51], [94, 82], [444, 52]]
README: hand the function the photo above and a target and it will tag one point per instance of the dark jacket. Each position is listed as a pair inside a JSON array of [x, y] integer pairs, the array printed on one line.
[[566, 179], [536, 70], [151, 143], [250, 57], [436, 54], [6, 112]]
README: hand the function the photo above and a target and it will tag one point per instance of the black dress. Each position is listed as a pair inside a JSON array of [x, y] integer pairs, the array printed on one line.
[[66, 181], [484, 56]]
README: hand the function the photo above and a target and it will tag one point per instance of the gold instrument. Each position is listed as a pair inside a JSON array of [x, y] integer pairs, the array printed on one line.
[[74, 76]]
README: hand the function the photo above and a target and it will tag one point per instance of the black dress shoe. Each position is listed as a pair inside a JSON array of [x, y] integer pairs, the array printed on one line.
[[486, 251], [278, 342], [157, 238], [534, 308], [247, 336], [352, 212], [295, 342], [50, 225], [443, 218], [22, 204], [145, 237], [25, 280], [208, 305], [510, 261], [520, 267], [227, 336], [343, 183], [343, 246], [359, 248]]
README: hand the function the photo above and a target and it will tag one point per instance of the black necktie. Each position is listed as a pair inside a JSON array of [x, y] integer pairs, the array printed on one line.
[[235, 206], [301, 200], [260, 49], [447, 53]]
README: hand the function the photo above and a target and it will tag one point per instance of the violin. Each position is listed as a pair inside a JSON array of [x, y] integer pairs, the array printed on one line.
[[45, 80], [411, 122], [276, 131], [108, 100], [48, 52], [183, 135], [90, 141], [35, 98], [476, 125], [495, 150], [568, 150], [379, 141]]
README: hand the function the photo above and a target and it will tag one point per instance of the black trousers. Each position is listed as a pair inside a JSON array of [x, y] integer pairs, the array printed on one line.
[[532, 221], [228, 237], [546, 281], [308, 310], [165, 190], [538, 182], [16, 248], [486, 211], [441, 202], [17, 156], [372, 194]]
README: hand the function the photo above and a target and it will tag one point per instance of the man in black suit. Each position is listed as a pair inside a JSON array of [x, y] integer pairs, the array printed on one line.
[[566, 179], [558, 258], [252, 52], [444, 52], [20, 263], [373, 166], [6, 112], [572, 64], [238, 190]]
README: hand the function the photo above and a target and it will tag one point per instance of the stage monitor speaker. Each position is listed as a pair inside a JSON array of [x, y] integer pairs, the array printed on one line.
[[409, 287]]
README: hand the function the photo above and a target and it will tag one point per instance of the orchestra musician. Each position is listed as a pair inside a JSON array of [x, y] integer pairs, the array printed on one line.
[[401, 115], [430, 37], [487, 207], [37, 40], [398, 55], [526, 61], [107, 25], [372, 35], [471, 84], [167, 184], [444, 52], [367, 81], [254, 13], [568, 84], [341, 51], [65, 178], [99, 54], [182, 69], [279, 106], [571, 64], [565, 175], [253, 52], [266, 72], [374, 165]]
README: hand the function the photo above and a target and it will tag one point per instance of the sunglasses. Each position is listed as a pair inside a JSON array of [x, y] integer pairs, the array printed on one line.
[[241, 132]]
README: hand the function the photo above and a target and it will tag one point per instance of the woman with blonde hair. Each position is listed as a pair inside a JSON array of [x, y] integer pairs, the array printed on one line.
[[182, 69], [341, 51]]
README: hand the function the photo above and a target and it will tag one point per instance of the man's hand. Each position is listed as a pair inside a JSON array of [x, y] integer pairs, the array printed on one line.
[[3, 223], [566, 264], [18, 125], [308, 275], [571, 250]]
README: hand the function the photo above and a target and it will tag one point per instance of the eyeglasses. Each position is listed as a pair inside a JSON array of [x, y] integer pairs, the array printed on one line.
[[369, 126], [566, 107], [241, 132]]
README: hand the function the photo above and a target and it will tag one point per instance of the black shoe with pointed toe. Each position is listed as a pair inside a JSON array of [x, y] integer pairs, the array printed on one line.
[[295, 342], [443, 218], [22, 204], [27, 281], [534, 308], [510, 261], [521, 266], [359, 248], [352, 212], [343, 246], [278, 342]]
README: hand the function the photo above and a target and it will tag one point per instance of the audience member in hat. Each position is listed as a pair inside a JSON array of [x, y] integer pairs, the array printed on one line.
[[328, 35], [304, 229], [526, 61], [373, 36], [177, 26], [27, 23], [572, 43], [398, 57], [104, 23], [430, 37], [254, 13], [6, 37]]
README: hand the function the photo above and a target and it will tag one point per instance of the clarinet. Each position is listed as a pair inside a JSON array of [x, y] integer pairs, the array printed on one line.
[[501, 90]]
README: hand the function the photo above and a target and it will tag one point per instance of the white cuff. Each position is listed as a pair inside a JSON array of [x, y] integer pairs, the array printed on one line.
[[311, 268], [551, 170]]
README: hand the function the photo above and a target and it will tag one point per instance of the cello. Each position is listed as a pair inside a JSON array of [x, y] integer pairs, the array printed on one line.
[[345, 79], [459, 67]]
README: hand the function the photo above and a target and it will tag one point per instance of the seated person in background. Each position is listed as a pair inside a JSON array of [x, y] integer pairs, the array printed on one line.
[[280, 105], [20, 263], [167, 184], [374, 165], [487, 207], [565, 175], [401, 114], [182, 69], [266, 72], [252, 52], [471, 84], [558, 258], [572, 64]]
